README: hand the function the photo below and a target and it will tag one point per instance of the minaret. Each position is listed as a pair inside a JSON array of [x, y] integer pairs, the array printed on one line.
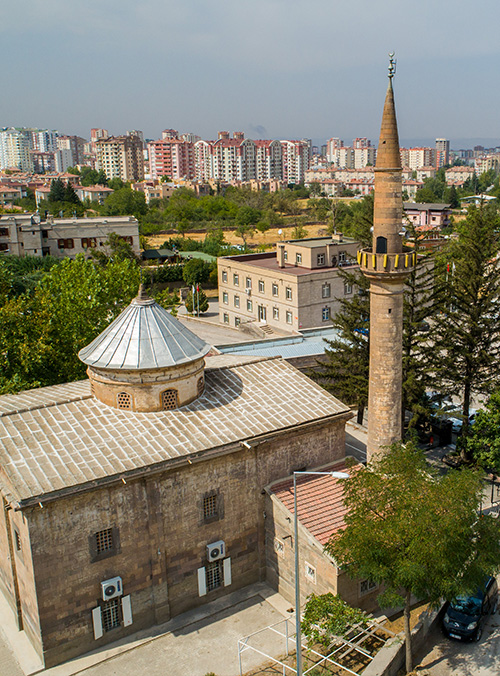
[[386, 265]]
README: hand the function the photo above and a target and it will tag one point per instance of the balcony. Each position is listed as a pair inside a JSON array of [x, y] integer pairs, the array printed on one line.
[[389, 263]]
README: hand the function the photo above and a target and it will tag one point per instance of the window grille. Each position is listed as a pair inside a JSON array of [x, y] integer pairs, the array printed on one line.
[[17, 539], [111, 614], [214, 575], [124, 400], [169, 399], [210, 506], [104, 540]]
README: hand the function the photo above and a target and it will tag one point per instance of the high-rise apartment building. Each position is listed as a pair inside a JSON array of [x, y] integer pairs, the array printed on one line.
[[269, 160], [171, 156], [295, 160], [415, 158], [75, 145], [96, 135], [121, 157], [15, 145], [442, 152], [43, 140]]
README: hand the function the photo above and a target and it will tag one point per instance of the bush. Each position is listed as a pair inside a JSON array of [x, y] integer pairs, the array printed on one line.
[[167, 273]]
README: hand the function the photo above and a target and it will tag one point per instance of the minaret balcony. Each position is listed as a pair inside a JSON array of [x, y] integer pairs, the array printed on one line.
[[390, 264]]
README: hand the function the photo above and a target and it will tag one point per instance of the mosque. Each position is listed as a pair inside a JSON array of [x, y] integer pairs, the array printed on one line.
[[164, 480]]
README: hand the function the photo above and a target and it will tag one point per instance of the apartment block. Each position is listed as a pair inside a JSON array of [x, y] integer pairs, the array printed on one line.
[[15, 146], [171, 156], [298, 286], [442, 152], [295, 160], [121, 157]]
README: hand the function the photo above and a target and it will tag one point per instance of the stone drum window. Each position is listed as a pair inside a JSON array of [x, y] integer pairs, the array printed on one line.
[[124, 400], [104, 540], [210, 506], [169, 399], [104, 543], [200, 386]]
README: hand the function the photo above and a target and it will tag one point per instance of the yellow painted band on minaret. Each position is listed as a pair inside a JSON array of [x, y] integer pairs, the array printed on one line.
[[358, 257], [374, 261], [365, 259], [406, 260], [396, 261], [385, 261]]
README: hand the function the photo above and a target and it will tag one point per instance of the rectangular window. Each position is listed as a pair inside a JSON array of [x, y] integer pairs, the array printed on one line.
[[320, 259], [214, 575], [366, 586], [288, 317], [89, 242], [111, 616], [347, 288], [310, 572], [224, 276], [325, 314], [298, 258], [248, 283], [288, 293], [261, 286], [276, 313], [236, 301], [236, 279], [325, 290], [4, 232], [249, 306], [279, 547], [285, 255], [226, 318], [225, 297], [210, 507], [104, 543], [104, 540], [342, 256], [237, 321], [275, 289]]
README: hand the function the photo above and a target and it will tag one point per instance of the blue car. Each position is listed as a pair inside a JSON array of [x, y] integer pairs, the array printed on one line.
[[466, 615]]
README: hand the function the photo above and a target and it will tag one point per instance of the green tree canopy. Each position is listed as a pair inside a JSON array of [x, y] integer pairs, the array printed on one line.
[[125, 202], [483, 443], [200, 301], [196, 271], [415, 531], [467, 322]]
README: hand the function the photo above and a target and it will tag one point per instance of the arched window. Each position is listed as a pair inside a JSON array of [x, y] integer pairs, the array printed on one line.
[[169, 399], [381, 245], [124, 400], [200, 386]]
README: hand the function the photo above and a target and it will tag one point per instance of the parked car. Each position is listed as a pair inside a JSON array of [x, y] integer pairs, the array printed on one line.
[[465, 616]]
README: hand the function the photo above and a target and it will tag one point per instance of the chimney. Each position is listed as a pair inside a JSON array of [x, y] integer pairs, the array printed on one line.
[[280, 255], [338, 237]]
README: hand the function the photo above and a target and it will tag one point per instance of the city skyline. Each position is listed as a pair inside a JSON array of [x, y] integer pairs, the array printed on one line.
[[265, 71]]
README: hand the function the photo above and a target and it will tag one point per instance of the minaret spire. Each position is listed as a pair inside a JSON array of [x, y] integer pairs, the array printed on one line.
[[386, 266]]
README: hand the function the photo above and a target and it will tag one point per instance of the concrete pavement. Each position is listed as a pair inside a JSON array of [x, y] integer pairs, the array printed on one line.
[[195, 643]]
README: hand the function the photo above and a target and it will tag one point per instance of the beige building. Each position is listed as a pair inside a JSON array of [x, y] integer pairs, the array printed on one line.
[[27, 235], [296, 287], [121, 157]]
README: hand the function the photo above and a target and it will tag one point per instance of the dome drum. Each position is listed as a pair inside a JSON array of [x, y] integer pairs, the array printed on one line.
[[148, 391]]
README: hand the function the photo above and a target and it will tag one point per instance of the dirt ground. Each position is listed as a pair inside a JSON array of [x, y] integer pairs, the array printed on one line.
[[268, 238]]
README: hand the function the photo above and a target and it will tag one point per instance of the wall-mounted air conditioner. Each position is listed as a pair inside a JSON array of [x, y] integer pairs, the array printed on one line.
[[215, 551], [111, 588]]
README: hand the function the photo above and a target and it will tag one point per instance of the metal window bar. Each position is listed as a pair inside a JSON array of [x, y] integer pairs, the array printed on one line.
[[104, 540], [111, 614]]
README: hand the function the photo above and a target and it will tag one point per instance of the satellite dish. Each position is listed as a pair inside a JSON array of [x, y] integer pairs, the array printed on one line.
[[280, 231]]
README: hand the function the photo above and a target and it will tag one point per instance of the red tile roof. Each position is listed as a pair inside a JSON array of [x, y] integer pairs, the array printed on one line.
[[320, 504]]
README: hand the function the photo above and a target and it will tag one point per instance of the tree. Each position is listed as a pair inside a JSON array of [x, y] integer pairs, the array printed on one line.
[[327, 616], [124, 202], [119, 250], [200, 301], [467, 328], [196, 271], [483, 443], [415, 531], [70, 194], [88, 176], [344, 369], [57, 191]]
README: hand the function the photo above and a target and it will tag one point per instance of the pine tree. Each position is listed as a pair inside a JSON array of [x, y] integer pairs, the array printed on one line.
[[344, 369], [57, 191], [70, 194], [467, 329]]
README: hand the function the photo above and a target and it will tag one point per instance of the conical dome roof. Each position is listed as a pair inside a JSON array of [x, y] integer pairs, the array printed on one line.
[[143, 336], [388, 156]]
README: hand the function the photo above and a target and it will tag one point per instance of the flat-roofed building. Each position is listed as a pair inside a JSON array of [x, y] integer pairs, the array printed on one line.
[[27, 235], [297, 286], [121, 157]]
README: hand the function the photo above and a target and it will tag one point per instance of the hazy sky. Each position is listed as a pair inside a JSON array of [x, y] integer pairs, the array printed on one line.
[[271, 68]]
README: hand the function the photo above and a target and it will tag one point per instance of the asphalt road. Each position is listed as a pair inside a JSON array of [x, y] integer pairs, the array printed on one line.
[[446, 657]]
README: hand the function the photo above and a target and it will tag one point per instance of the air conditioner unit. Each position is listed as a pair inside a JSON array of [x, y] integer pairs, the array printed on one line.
[[215, 551], [111, 588]]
